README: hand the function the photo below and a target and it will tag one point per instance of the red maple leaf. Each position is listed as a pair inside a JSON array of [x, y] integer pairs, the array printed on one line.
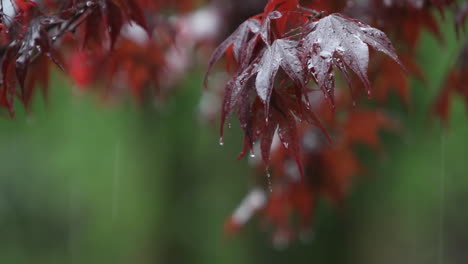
[[274, 54]]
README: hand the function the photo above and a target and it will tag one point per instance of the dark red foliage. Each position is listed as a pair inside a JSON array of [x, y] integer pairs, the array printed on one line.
[[283, 64], [87, 34], [285, 59], [278, 54], [33, 34]]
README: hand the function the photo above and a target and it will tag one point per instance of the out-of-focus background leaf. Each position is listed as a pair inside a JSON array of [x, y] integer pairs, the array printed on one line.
[[85, 183]]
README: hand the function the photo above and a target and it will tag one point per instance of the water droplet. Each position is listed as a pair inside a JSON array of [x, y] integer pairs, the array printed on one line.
[[275, 15], [221, 141], [325, 54], [252, 154]]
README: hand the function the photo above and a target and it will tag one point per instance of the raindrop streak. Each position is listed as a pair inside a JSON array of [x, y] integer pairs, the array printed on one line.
[[116, 183], [442, 199], [73, 230], [270, 185]]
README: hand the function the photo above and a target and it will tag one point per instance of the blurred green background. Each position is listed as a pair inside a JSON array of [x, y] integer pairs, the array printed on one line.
[[86, 183]]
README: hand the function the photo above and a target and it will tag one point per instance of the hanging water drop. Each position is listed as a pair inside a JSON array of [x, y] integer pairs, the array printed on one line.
[[252, 154], [221, 141]]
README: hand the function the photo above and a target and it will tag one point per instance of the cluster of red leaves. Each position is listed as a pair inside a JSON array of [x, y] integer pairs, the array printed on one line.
[[85, 38], [277, 58], [277, 54]]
